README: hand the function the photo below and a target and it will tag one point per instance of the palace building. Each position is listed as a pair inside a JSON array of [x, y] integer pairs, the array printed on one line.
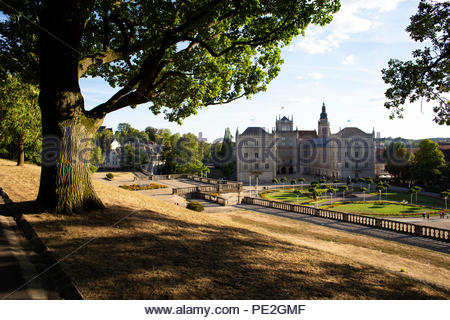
[[287, 152]]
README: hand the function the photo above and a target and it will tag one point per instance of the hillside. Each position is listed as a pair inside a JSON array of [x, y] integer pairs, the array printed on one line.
[[161, 251]]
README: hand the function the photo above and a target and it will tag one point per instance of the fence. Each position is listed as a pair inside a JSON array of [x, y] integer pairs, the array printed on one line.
[[396, 226], [187, 176], [224, 188], [208, 180], [210, 197], [167, 177]]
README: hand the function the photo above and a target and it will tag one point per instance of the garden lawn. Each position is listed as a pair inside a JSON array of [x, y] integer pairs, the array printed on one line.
[[285, 196], [422, 199], [381, 209], [288, 196]]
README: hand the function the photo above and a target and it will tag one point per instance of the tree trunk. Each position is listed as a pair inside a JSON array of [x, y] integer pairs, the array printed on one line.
[[21, 156], [65, 185]]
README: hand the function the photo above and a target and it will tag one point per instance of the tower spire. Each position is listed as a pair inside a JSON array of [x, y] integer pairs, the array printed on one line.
[[323, 115]]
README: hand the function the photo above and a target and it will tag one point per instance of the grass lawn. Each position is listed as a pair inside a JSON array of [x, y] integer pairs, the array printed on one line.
[[381, 209], [287, 195], [163, 251], [422, 199]]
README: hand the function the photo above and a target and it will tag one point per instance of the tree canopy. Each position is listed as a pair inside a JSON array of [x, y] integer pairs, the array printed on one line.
[[428, 75], [178, 55], [20, 119], [429, 161]]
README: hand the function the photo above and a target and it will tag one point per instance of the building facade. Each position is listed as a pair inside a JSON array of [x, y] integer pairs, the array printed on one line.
[[284, 151]]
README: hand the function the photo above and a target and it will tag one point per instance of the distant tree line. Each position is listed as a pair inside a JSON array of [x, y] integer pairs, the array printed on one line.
[[180, 153], [426, 167]]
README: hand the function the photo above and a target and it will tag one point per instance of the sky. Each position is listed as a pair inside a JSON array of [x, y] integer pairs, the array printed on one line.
[[339, 64]]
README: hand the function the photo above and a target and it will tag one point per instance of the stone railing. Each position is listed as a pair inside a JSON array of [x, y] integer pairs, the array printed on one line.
[[208, 180], [219, 188], [206, 196], [396, 226], [167, 176]]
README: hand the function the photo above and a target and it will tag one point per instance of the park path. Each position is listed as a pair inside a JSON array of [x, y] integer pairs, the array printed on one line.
[[430, 244], [16, 265]]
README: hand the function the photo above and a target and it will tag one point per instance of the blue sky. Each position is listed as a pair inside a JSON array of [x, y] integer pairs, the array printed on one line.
[[340, 63]]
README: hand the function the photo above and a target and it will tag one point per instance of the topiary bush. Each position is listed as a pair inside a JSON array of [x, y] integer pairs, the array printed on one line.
[[195, 206], [109, 175]]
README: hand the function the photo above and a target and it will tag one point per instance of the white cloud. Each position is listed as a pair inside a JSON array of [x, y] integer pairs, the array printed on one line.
[[355, 16], [299, 77], [315, 75], [350, 59]]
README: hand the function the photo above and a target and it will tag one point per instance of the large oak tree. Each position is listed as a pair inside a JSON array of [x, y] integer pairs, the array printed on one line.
[[176, 55]]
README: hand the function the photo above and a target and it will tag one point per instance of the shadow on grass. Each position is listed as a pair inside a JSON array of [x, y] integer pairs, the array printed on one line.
[[153, 256]]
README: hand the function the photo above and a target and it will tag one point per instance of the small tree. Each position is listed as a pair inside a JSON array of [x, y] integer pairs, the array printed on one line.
[[298, 193], [380, 188], [331, 191], [444, 195], [414, 190], [364, 190], [293, 181], [361, 181], [284, 180], [20, 119], [336, 181], [314, 184], [322, 180], [275, 181], [315, 193], [343, 189], [369, 181], [386, 188], [301, 180]]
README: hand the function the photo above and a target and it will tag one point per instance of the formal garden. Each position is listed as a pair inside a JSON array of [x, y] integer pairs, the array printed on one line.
[[356, 198]]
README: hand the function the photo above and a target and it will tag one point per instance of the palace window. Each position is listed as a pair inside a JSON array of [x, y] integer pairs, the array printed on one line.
[[256, 155], [256, 166], [245, 155], [346, 164], [266, 166], [245, 166]]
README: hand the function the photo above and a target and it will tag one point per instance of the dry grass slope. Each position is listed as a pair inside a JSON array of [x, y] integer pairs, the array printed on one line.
[[161, 251]]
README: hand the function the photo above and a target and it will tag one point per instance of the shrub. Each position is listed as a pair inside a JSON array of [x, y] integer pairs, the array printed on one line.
[[136, 187], [92, 168], [195, 206], [293, 181], [109, 175], [275, 181]]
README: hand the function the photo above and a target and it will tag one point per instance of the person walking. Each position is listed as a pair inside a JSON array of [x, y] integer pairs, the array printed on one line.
[[423, 215], [428, 216]]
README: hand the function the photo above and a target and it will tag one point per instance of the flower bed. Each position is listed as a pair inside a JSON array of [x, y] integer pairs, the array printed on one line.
[[136, 187]]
